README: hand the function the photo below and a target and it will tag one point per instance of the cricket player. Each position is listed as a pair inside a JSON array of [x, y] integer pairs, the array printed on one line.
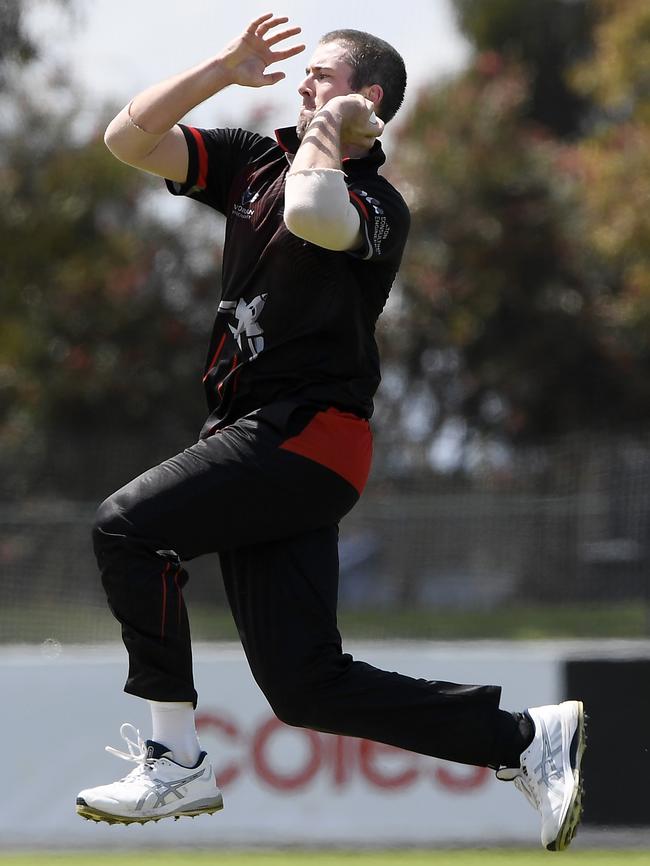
[[314, 239]]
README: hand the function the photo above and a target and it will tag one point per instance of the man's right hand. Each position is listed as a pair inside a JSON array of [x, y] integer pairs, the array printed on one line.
[[245, 59], [145, 133]]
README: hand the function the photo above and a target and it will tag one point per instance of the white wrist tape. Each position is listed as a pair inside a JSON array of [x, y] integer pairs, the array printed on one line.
[[317, 208]]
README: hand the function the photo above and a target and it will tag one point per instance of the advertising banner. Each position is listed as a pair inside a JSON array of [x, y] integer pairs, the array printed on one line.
[[281, 785]]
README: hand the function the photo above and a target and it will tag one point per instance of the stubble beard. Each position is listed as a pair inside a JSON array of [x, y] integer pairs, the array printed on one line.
[[304, 119]]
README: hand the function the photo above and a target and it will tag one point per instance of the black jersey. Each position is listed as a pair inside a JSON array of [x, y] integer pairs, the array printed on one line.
[[294, 320]]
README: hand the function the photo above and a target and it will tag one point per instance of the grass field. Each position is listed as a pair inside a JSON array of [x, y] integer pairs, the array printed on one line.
[[72, 624], [189, 857]]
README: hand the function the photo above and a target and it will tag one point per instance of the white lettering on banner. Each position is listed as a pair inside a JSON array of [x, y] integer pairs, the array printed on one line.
[[341, 760]]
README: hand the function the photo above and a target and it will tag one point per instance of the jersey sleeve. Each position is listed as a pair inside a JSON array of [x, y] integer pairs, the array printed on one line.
[[215, 158], [385, 219]]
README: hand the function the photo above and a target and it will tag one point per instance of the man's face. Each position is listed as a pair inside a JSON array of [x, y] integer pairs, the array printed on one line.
[[328, 75]]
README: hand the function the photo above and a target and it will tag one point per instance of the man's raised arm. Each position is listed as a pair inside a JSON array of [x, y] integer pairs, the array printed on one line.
[[145, 133], [317, 204]]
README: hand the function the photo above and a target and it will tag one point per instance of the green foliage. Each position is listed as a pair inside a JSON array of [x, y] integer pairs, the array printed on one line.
[[617, 75], [15, 44], [615, 162], [525, 298], [17, 47], [105, 313], [546, 38], [523, 308], [98, 303], [497, 272]]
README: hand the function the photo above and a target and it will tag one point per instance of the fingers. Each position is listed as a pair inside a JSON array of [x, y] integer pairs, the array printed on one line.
[[280, 37], [252, 27], [261, 26], [283, 34], [272, 78], [377, 125], [368, 141], [263, 29], [288, 52]]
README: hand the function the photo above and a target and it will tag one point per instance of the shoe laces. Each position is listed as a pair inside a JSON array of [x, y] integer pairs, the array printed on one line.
[[137, 752], [523, 784]]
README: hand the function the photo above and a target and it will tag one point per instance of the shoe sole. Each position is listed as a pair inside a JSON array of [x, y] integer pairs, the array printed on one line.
[[573, 816], [92, 814]]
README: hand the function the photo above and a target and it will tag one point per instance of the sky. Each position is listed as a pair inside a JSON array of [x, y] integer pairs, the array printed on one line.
[[117, 47]]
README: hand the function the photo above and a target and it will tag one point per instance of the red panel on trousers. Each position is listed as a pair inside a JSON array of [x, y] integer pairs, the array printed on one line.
[[338, 440]]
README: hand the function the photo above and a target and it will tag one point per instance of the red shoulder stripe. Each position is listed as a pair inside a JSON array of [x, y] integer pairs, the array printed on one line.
[[360, 202], [202, 179]]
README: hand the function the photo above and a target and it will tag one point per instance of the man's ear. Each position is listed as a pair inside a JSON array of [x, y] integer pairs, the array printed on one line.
[[374, 93]]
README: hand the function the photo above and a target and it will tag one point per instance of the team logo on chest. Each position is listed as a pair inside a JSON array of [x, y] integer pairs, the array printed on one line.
[[243, 209], [247, 332]]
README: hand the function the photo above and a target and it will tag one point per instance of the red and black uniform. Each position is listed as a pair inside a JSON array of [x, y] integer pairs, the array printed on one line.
[[295, 320], [290, 375]]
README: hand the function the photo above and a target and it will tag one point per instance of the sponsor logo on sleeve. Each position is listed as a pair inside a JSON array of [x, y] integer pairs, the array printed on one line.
[[381, 229]]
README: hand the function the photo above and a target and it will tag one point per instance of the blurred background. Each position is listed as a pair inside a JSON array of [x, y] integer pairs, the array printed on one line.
[[510, 493]]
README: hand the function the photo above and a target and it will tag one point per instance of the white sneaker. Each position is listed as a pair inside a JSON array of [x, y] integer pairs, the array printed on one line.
[[549, 775], [157, 788]]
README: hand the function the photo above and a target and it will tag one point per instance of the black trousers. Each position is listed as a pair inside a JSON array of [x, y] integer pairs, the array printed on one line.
[[267, 494]]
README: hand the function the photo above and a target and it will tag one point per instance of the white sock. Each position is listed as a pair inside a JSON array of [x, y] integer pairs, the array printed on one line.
[[173, 726]]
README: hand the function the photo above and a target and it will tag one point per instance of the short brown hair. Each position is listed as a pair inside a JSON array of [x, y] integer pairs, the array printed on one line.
[[374, 61]]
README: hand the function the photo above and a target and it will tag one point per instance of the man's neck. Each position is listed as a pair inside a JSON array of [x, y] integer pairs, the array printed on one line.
[[355, 153]]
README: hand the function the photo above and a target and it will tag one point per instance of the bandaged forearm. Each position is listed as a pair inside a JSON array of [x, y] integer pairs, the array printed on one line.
[[127, 139], [317, 208]]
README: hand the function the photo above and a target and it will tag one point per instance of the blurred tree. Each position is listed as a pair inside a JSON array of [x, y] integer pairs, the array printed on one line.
[[546, 38], [617, 74], [16, 46], [105, 311], [524, 308], [503, 323], [103, 303], [616, 166]]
